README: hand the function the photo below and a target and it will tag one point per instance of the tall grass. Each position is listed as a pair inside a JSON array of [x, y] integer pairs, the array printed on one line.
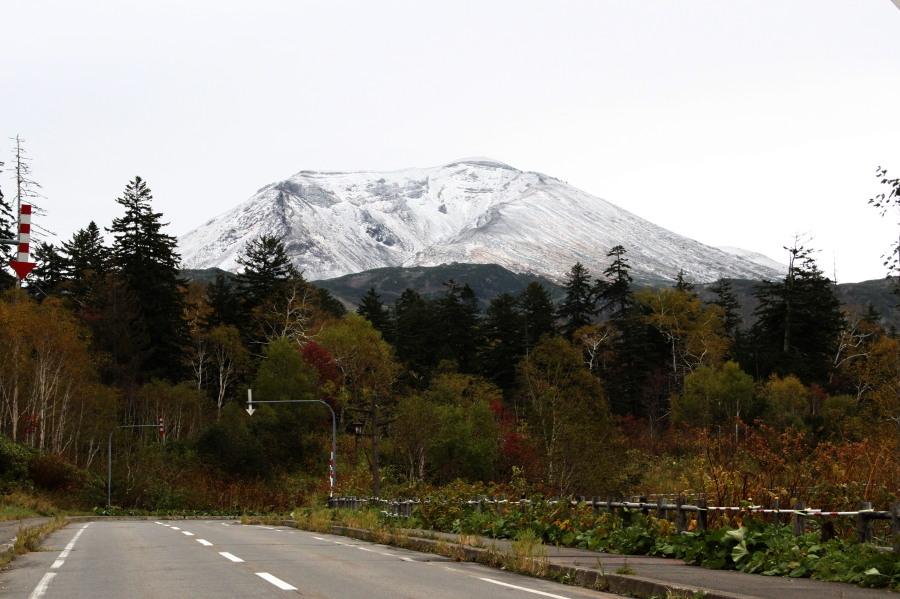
[[19, 505]]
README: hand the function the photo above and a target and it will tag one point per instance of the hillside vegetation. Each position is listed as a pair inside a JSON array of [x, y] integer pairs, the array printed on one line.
[[596, 387]]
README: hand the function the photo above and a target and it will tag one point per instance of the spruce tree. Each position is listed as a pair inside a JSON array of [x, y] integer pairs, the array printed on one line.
[[614, 292], [578, 308], [85, 261], [266, 270], [146, 260], [682, 284], [504, 341], [538, 314], [373, 309], [728, 301], [798, 324], [415, 334], [637, 347], [457, 315], [328, 303], [224, 303], [48, 276]]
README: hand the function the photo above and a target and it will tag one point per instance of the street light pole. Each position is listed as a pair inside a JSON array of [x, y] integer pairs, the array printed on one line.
[[332, 467], [372, 412]]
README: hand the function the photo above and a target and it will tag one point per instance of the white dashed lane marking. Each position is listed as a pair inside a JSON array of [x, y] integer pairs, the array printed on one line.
[[276, 581], [230, 556]]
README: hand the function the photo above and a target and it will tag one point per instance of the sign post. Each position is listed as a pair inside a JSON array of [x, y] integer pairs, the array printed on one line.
[[22, 264]]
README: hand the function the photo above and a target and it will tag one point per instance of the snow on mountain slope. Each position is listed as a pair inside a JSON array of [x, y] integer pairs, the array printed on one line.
[[473, 210], [757, 258]]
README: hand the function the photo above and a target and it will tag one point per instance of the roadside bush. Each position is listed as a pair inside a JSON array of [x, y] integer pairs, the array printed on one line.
[[51, 472], [14, 460], [758, 548], [754, 547]]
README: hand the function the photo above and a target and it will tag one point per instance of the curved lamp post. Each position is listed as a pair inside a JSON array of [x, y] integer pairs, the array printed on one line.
[[332, 468]]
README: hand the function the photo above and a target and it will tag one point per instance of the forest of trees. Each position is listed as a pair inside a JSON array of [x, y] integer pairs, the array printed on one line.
[[578, 397]]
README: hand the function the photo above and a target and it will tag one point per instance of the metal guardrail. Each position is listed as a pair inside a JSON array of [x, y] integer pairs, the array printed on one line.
[[799, 512]]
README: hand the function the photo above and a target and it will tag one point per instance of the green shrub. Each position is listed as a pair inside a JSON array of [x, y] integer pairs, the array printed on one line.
[[14, 459], [52, 472]]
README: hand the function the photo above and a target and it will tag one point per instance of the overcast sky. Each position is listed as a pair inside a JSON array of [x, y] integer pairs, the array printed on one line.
[[737, 122]]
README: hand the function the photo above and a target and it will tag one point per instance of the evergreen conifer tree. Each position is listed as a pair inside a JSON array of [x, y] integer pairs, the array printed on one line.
[[328, 303], [728, 301], [266, 270], [615, 292], [638, 349], [503, 332], [414, 326], [224, 303], [457, 315], [798, 324], [578, 308], [373, 309], [681, 284], [47, 277], [85, 261], [145, 260], [538, 314]]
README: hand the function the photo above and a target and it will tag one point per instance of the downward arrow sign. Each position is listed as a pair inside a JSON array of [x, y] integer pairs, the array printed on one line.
[[250, 411]]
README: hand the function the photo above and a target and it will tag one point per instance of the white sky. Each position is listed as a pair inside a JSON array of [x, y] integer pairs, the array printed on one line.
[[733, 122]]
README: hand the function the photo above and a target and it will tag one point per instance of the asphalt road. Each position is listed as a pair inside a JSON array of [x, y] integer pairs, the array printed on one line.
[[146, 559]]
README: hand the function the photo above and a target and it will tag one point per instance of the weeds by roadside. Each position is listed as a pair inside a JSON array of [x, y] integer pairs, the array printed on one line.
[[17, 505], [29, 539], [529, 556]]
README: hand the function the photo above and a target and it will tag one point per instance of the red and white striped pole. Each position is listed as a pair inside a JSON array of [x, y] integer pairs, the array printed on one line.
[[22, 264], [331, 472]]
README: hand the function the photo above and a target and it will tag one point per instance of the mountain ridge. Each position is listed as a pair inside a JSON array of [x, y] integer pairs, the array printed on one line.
[[472, 210]]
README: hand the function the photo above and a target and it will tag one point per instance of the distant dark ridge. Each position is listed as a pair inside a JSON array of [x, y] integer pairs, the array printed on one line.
[[486, 280], [490, 280]]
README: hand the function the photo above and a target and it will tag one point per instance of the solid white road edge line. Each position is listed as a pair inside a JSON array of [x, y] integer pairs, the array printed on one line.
[[65, 552], [526, 589], [276, 581], [42, 586]]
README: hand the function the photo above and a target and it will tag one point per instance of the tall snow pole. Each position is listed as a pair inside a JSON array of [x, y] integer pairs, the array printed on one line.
[[22, 264]]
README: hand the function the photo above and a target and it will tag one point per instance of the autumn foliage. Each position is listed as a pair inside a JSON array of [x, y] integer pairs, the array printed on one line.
[[610, 391]]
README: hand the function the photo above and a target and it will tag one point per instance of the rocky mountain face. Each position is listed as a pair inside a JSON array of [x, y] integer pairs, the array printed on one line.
[[475, 211]]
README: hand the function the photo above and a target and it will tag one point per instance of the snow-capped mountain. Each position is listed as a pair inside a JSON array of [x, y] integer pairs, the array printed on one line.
[[469, 211]]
